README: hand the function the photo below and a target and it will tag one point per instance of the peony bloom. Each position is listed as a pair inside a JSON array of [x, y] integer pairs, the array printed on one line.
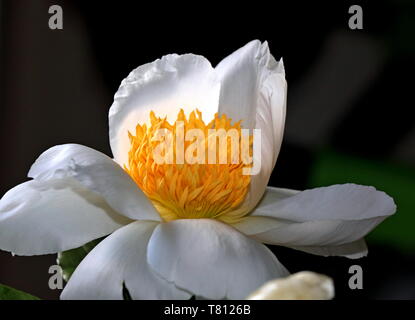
[[176, 231]]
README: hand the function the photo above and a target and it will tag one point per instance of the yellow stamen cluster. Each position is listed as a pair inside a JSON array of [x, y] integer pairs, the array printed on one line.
[[188, 191]]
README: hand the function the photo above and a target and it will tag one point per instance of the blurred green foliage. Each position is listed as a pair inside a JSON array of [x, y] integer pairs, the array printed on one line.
[[8, 293]]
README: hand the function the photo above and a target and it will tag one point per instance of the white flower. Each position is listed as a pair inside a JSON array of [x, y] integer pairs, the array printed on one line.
[[78, 194]]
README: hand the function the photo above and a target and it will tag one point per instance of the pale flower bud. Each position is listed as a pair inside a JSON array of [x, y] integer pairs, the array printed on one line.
[[303, 285]]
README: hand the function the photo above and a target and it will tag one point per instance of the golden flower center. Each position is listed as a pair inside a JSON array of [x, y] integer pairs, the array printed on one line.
[[184, 188]]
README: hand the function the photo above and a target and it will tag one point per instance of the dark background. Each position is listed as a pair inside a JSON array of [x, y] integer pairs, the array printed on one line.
[[349, 113]]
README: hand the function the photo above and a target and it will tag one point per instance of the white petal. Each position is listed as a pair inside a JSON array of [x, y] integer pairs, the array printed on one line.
[[164, 86], [353, 250], [254, 90], [51, 216], [211, 259], [327, 216], [96, 172], [120, 258], [337, 202], [257, 227]]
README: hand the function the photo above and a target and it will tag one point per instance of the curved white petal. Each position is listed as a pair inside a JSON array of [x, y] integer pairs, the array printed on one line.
[[337, 202], [352, 250], [96, 172], [42, 217], [211, 259], [328, 216], [120, 258], [164, 86], [254, 89], [257, 226]]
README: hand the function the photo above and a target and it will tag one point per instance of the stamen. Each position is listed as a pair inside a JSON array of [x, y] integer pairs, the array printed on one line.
[[182, 190]]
